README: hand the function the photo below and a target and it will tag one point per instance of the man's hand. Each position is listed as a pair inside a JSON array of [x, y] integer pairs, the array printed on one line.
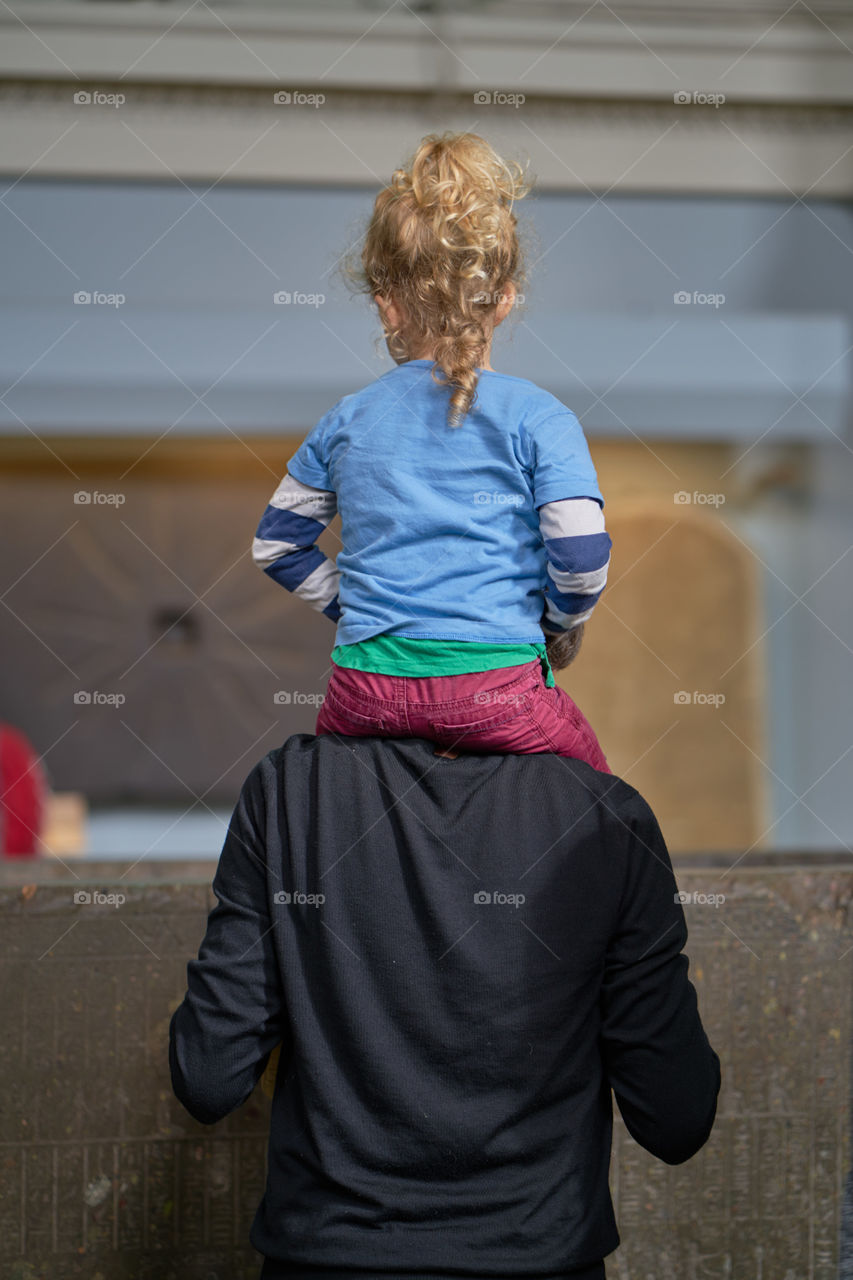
[[564, 648]]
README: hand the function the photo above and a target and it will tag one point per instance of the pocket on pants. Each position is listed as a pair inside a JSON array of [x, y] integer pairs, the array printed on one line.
[[480, 718], [345, 715]]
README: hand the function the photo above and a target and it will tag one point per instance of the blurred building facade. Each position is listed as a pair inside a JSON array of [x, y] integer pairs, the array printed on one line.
[[177, 202]]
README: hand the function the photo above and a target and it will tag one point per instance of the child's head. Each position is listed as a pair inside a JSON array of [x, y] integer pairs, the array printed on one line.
[[442, 260]]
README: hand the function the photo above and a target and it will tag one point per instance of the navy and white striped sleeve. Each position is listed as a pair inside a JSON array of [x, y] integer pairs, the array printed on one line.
[[284, 545], [578, 552]]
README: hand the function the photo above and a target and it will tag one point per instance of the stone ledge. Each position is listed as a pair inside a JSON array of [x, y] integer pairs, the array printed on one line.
[[112, 1174]]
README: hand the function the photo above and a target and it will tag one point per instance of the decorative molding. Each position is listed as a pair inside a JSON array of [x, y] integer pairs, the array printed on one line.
[[211, 134], [761, 52], [17, 96], [591, 91]]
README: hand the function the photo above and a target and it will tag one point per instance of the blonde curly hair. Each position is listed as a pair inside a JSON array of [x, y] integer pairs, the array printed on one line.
[[442, 243]]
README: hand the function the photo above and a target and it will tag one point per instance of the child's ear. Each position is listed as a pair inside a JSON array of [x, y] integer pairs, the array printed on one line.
[[506, 303], [391, 314]]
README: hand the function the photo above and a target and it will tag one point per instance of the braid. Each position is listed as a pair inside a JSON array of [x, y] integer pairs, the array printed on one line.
[[443, 242]]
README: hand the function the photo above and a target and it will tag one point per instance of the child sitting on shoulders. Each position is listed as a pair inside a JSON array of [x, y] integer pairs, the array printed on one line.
[[472, 526]]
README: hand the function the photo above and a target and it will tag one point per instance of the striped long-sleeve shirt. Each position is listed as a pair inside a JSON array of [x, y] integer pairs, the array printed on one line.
[[577, 551], [285, 544], [487, 533]]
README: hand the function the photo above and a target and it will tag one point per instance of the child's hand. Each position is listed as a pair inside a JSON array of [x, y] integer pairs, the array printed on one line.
[[564, 648]]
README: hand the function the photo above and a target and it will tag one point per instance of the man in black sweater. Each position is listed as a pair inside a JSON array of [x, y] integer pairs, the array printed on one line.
[[460, 958]]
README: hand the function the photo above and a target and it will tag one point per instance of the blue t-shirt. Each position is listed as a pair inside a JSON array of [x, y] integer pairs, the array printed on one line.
[[440, 529]]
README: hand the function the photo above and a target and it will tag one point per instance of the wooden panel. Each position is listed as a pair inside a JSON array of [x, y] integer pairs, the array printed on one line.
[[154, 600], [670, 673]]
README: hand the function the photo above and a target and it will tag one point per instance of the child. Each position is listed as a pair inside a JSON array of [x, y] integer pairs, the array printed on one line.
[[472, 524]]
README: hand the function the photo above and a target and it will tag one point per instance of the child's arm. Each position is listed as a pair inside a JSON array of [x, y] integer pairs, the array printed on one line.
[[284, 545], [578, 551]]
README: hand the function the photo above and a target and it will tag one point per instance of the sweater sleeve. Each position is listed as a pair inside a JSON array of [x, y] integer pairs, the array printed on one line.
[[284, 545], [232, 1015], [663, 1071], [578, 552]]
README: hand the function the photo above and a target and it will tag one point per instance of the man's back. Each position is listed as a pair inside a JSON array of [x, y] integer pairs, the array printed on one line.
[[460, 957]]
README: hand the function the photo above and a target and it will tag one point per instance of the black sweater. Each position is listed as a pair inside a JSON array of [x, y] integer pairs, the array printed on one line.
[[443, 1101]]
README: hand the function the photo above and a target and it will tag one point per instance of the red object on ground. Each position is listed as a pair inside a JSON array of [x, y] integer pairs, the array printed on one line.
[[23, 794]]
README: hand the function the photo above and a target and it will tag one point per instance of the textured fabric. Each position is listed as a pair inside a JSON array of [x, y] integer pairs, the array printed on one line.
[[499, 944], [578, 553], [398, 656], [277, 1271], [439, 525], [498, 710], [284, 547]]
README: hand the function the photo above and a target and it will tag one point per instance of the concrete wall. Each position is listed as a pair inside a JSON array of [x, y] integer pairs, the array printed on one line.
[[105, 1177]]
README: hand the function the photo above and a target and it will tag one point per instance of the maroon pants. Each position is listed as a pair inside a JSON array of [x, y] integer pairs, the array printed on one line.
[[506, 710]]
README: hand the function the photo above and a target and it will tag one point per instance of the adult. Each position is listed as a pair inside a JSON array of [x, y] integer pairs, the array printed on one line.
[[461, 958]]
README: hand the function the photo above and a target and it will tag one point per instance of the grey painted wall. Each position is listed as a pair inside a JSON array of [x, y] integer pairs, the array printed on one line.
[[199, 277]]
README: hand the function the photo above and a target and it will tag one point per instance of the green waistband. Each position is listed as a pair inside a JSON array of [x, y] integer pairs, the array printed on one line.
[[404, 656]]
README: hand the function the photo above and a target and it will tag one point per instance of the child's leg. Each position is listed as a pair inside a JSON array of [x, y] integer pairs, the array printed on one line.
[[507, 710], [563, 724]]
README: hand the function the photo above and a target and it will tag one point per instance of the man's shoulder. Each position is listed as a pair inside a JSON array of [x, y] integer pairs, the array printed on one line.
[[540, 773]]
